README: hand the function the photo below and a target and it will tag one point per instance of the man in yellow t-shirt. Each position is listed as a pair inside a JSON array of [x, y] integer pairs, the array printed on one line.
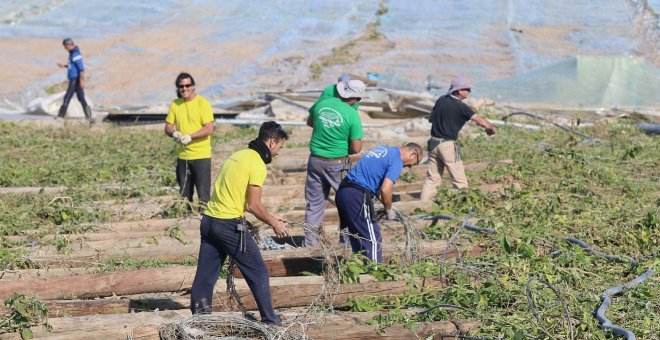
[[223, 231], [190, 123]]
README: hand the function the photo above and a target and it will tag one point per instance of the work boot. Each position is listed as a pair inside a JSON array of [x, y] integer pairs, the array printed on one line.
[[88, 114], [201, 306], [62, 112]]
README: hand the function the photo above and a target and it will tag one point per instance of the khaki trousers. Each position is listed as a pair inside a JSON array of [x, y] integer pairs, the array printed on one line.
[[445, 155]]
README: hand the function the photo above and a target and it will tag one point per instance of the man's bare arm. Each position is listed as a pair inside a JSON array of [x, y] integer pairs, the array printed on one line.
[[206, 130], [356, 147], [169, 129], [310, 121], [490, 128], [256, 208], [386, 193]]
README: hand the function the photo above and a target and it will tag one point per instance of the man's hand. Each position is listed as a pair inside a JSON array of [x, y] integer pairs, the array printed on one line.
[[278, 217], [81, 84], [391, 215], [185, 140], [61, 65], [490, 130], [177, 136], [280, 229]]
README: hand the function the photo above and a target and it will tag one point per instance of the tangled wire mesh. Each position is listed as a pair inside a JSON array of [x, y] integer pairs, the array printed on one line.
[[220, 326]]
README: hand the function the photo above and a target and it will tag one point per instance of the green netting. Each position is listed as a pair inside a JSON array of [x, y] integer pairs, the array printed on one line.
[[582, 82]]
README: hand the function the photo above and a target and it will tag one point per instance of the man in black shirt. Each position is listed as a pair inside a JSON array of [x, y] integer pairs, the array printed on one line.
[[447, 118]]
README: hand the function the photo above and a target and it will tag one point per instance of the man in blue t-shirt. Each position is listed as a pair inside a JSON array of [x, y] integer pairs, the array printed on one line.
[[76, 75], [374, 175]]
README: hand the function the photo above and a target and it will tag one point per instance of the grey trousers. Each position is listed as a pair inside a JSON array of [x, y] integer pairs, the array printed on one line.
[[194, 173], [321, 176]]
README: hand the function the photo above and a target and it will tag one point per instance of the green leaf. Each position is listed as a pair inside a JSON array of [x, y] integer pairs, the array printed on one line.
[[505, 244], [26, 333], [21, 310], [519, 335]]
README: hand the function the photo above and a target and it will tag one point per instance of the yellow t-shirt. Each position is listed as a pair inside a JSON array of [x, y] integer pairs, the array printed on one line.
[[229, 195], [188, 118]]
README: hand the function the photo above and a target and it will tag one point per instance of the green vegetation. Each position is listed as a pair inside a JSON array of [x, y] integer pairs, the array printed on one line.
[[23, 313], [129, 263], [114, 164], [604, 192]]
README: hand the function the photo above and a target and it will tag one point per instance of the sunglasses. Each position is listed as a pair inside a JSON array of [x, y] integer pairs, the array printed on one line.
[[416, 158], [184, 86]]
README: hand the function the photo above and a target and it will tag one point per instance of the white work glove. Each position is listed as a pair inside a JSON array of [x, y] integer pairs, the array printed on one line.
[[391, 215], [177, 136], [185, 140]]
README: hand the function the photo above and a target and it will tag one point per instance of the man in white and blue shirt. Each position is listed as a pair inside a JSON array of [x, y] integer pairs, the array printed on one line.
[[76, 75], [374, 175]]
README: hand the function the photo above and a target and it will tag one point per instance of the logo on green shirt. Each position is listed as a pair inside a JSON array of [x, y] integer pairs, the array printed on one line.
[[330, 118]]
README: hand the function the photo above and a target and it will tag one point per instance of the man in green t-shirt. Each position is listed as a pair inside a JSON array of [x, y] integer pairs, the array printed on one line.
[[331, 91], [337, 133]]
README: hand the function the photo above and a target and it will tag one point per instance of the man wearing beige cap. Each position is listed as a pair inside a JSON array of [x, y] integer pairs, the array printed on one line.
[[447, 119], [337, 133]]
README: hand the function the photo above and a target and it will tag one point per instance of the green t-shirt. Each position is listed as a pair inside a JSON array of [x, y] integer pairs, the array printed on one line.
[[331, 92], [336, 124]]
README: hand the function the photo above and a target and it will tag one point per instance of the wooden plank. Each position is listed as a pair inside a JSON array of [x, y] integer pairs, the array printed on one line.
[[31, 190], [177, 278], [145, 326], [286, 292]]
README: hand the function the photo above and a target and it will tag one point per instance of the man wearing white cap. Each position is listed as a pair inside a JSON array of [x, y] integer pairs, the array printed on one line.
[[331, 90], [337, 134], [447, 119]]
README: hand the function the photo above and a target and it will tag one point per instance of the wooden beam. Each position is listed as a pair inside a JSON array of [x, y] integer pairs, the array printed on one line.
[[144, 326]]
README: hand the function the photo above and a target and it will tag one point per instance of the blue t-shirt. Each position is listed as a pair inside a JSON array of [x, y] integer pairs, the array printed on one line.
[[379, 163], [75, 64]]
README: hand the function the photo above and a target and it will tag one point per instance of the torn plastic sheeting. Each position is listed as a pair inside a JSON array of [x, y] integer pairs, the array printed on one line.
[[239, 121]]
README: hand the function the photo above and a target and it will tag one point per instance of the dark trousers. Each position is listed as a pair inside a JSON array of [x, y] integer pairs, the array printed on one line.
[[74, 88], [219, 239], [195, 173], [355, 214]]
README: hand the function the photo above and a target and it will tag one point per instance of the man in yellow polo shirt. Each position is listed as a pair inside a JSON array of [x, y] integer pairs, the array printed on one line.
[[237, 190], [190, 123]]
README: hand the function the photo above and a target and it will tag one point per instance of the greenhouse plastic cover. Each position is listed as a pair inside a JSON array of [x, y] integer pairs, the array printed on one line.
[[583, 82], [133, 50]]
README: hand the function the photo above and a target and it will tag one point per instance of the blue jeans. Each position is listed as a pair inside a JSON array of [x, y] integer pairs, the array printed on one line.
[[219, 239]]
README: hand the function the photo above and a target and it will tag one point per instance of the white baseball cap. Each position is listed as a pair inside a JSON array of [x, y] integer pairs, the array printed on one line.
[[351, 89]]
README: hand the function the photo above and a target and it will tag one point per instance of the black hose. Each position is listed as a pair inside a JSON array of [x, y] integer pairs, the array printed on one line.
[[563, 127], [435, 218], [606, 297], [614, 258]]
